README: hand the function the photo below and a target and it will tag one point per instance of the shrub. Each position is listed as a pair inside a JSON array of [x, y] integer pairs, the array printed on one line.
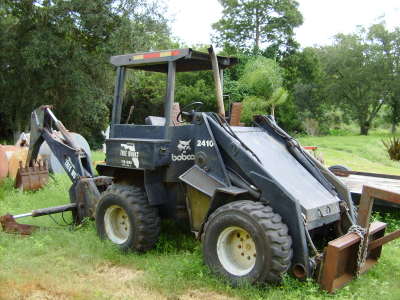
[[311, 126], [392, 146]]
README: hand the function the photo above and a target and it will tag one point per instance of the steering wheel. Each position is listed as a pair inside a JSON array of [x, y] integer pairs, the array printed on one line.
[[186, 113]]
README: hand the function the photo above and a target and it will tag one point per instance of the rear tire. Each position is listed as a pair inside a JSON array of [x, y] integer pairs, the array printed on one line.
[[125, 217], [245, 241], [339, 168]]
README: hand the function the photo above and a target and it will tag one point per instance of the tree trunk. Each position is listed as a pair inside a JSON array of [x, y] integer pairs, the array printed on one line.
[[16, 132], [257, 38], [364, 128], [393, 130], [17, 126], [273, 111]]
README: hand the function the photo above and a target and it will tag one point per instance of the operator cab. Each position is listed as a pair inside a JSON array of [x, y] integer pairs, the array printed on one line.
[[168, 62], [141, 147]]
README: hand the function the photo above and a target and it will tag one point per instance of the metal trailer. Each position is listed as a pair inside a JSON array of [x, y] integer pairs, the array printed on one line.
[[356, 180], [260, 204]]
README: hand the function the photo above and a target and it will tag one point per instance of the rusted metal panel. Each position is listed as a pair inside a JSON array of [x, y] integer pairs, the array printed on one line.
[[236, 111], [340, 263], [9, 225], [341, 255], [367, 200], [32, 177], [383, 240]]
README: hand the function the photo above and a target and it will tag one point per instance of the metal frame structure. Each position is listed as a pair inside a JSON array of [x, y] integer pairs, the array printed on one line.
[[168, 61], [341, 255]]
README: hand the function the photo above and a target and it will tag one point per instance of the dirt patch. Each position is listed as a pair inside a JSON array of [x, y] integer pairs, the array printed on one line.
[[116, 273], [103, 281], [202, 295], [117, 282], [32, 291]]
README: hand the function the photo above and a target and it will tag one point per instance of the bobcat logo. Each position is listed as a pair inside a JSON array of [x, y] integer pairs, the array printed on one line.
[[184, 146]]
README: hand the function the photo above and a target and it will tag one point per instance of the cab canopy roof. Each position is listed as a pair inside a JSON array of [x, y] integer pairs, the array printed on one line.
[[186, 60]]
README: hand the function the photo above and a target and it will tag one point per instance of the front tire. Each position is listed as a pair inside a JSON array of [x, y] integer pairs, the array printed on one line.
[[125, 217], [245, 241]]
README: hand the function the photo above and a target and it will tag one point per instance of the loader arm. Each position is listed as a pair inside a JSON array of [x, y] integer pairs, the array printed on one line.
[[74, 160]]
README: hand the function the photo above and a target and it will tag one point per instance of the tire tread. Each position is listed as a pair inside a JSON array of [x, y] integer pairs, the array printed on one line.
[[273, 228], [146, 217]]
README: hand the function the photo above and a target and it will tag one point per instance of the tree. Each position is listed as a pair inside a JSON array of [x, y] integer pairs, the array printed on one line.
[[57, 52], [304, 78], [263, 79], [353, 78], [250, 25], [386, 45]]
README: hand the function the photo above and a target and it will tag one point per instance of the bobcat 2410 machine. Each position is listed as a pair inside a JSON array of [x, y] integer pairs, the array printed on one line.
[[260, 204]]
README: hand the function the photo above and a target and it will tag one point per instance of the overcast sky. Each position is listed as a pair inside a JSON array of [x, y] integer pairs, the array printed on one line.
[[322, 18]]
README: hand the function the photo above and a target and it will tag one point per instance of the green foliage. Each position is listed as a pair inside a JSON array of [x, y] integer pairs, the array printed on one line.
[[392, 146], [386, 45], [287, 116], [279, 96], [262, 77], [355, 77], [196, 86], [57, 52], [145, 91], [253, 106], [253, 25]]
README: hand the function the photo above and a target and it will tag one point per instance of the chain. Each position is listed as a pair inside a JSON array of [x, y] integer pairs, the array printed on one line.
[[362, 250], [310, 241]]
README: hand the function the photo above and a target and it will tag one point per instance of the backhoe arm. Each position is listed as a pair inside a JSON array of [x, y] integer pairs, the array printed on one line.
[[73, 158]]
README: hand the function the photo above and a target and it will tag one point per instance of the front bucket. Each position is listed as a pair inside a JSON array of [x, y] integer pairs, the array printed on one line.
[[9, 225], [32, 178], [340, 263]]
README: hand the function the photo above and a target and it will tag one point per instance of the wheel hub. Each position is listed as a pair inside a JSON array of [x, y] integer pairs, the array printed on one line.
[[117, 224], [236, 250]]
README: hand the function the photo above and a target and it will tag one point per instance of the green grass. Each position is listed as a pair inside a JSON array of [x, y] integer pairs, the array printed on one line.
[[360, 153], [72, 263]]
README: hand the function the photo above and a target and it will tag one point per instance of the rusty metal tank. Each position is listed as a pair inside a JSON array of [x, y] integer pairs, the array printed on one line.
[[3, 165], [9, 159]]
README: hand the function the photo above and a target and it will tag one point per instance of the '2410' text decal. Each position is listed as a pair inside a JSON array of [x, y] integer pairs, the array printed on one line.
[[205, 143]]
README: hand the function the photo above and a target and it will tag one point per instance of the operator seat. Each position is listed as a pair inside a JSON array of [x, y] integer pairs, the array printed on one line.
[[160, 121], [153, 120]]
